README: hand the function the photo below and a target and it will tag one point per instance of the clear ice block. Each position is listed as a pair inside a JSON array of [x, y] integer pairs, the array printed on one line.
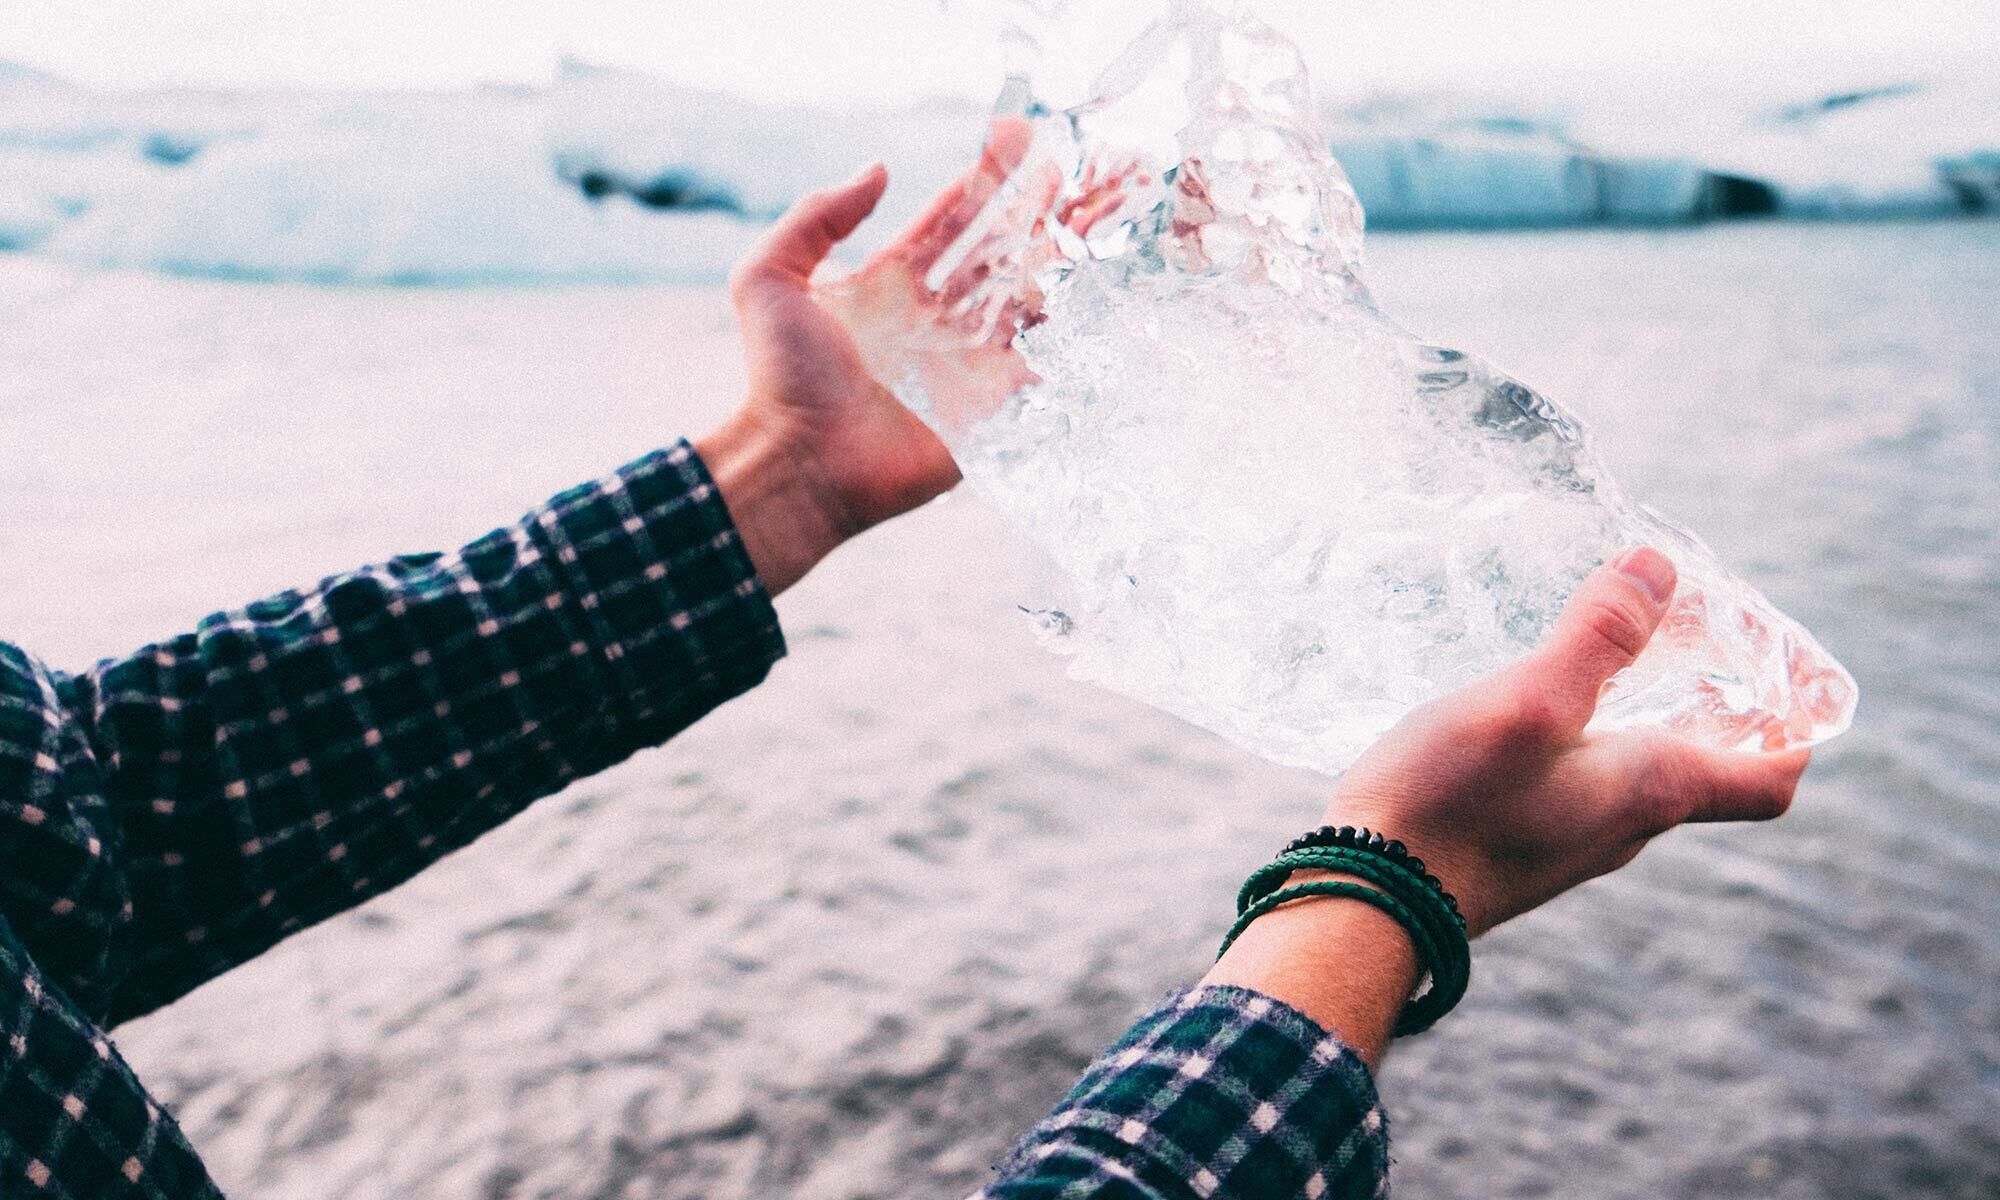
[[1285, 519]]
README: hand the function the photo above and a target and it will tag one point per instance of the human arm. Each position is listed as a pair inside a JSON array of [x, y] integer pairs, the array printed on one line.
[[1502, 793], [286, 760], [176, 811], [171, 812]]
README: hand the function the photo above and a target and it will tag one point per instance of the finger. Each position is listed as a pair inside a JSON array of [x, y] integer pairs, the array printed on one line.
[[1603, 628], [1724, 786], [964, 281], [931, 234], [1096, 198], [978, 264], [1087, 214], [801, 239]]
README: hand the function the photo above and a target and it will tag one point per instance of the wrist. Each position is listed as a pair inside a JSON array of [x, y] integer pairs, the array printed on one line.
[[777, 501], [1347, 965], [1463, 871]]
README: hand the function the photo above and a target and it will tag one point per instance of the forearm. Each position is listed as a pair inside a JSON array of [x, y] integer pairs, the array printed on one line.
[[292, 758]]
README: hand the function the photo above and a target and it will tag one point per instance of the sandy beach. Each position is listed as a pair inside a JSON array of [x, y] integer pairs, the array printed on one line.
[[853, 933]]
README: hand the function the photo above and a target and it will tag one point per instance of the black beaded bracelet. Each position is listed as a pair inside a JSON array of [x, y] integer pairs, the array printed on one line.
[[1402, 888]]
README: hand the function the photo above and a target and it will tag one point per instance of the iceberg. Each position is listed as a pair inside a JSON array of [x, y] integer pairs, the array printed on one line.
[[1503, 174], [1887, 151], [27, 214], [626, 125], [1282, 517], [610, 175], [1609, 155], [607, 176], [448, 190]]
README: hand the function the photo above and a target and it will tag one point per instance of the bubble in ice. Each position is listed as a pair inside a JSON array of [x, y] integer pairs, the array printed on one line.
[[1283, 517]]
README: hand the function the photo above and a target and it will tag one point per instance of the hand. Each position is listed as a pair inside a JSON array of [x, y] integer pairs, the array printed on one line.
[[962, 354], [1505, 797], [821, 450], [958, 338]]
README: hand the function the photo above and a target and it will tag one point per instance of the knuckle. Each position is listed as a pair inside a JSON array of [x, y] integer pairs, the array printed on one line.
[[1619, 625], [991, 164], [814, 203], [749, 279], [1485, 733], [817, 211]]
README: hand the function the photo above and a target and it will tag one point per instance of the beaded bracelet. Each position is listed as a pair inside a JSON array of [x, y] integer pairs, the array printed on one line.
[[1402, 888]]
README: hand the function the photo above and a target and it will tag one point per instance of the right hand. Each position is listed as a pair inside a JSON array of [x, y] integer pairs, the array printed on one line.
[[1510, 803]]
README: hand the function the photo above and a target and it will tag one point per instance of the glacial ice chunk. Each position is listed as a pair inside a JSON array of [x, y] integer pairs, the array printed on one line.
[[1284, 518]]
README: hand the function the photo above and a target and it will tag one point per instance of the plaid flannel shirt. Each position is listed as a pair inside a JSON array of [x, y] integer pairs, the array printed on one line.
[[1219, 1092], [169, 815]]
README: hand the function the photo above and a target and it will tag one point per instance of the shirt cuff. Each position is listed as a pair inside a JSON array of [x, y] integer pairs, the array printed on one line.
[[674, 608], [1219, 1092]]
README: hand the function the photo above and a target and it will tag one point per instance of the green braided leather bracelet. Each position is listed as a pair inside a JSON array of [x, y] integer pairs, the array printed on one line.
[[1395, 882]]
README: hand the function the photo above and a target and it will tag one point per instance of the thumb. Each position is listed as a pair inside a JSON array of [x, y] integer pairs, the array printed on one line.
[[1602, 629], [799, 242]]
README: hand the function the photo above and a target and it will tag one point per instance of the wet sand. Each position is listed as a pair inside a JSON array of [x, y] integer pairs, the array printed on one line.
[[854, 932]]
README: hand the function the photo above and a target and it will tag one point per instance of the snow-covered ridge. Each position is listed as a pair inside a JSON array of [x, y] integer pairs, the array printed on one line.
[[609, 175]]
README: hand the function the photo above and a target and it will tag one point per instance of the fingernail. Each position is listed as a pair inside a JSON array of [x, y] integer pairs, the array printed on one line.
[[865, 172], [1649, 569]]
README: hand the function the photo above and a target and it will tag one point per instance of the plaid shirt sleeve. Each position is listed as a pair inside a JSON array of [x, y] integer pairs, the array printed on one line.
[[288, 760], [171, 814], [1220, 1092]]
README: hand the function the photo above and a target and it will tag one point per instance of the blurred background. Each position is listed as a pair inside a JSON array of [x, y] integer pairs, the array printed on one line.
[[449, 143], [288, 288]]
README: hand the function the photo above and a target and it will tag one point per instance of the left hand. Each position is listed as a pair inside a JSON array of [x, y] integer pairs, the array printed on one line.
[[820, 449]]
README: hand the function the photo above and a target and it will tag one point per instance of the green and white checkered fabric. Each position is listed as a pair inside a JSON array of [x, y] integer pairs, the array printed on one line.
[[1219, 1093], [171, 814]]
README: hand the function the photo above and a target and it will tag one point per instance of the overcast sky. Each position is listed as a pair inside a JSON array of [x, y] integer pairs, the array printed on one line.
[[846, 49]]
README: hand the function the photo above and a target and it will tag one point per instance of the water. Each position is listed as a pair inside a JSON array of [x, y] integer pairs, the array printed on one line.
[[856, 930]]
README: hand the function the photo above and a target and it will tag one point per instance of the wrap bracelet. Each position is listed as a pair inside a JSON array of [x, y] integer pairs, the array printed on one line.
[[1395, 882]]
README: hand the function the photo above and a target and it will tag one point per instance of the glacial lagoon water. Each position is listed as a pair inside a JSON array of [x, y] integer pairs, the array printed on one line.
[[858, 928]]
